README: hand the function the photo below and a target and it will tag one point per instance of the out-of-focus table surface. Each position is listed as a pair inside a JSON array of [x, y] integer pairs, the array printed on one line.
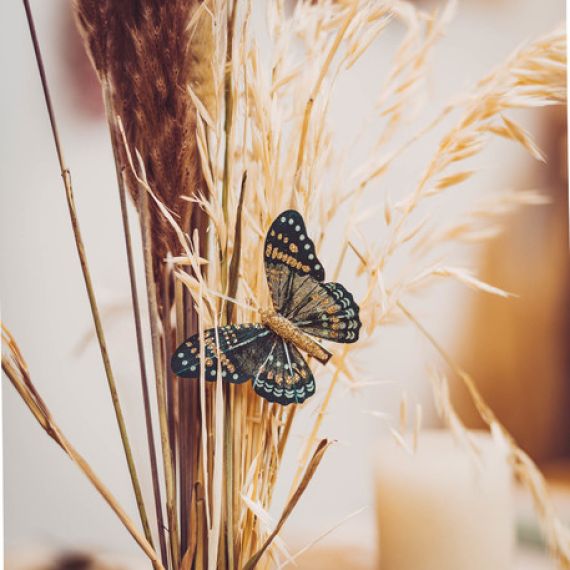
[[343, 557], [528, 560], [357, 559], [352, 547]]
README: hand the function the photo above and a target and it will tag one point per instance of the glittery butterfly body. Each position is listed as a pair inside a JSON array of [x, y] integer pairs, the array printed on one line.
[[305, 308]]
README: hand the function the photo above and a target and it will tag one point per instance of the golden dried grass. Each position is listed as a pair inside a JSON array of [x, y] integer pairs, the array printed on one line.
[[233, 108]]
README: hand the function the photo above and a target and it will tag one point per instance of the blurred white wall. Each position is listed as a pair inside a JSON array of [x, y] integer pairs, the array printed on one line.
[[47, 501]]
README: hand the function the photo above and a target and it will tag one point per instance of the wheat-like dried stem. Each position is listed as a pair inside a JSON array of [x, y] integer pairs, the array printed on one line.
[[17, 372], [300, 489], [228, 280], [66, 176], [317, 87], [119, 167], [318, 422], [167, 458]]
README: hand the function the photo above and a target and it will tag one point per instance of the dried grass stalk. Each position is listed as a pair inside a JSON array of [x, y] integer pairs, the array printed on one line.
[[66, 178], [16, 370], [201, 104], [292, 503]]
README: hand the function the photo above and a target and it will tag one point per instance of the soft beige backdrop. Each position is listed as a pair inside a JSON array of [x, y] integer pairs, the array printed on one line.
[[47, 501]]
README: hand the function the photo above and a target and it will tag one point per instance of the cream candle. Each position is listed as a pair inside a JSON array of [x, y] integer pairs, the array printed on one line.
[[442, 508]]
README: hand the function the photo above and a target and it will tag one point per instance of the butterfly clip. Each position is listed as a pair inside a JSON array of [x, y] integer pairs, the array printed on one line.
[[269, 353]]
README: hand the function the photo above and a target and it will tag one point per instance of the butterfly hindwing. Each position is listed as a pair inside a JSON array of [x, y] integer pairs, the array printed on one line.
[[289, 252], [285, 376], [328, 311], [241, 349], [249, 352]]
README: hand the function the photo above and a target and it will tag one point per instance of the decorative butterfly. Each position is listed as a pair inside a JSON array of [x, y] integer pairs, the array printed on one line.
[[269, 353]]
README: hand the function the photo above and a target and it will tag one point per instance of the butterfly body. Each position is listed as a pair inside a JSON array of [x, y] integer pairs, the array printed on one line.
[[287, 330], [269, 353]]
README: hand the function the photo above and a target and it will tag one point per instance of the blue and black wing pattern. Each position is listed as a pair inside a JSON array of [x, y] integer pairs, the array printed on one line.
[[289, 253], [285, 376], [240, 347], [326, 310]]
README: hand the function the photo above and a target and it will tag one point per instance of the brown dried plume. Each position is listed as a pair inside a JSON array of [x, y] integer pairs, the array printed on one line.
[[143, 52]]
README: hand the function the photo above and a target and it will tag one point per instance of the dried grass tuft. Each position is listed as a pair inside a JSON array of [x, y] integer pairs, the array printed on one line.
[[193, 105]]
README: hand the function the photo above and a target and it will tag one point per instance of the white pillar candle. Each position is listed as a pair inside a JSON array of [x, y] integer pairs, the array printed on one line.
[[440, 508]]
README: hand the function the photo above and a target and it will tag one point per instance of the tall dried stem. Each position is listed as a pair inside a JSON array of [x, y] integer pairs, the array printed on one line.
[[120, 167], [66, 176], [15, 368]]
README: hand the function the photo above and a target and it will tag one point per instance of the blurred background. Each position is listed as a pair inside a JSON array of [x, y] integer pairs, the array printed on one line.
[[516, 349]]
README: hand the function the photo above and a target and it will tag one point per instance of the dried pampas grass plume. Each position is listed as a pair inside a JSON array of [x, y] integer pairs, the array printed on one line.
[[146, 55]]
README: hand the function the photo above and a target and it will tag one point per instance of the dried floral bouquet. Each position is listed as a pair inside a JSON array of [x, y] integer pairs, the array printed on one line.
[[213, 136]]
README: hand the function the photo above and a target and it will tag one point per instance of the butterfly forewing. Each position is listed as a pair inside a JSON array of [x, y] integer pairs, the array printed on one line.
[[289, 252], [241, 349]]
